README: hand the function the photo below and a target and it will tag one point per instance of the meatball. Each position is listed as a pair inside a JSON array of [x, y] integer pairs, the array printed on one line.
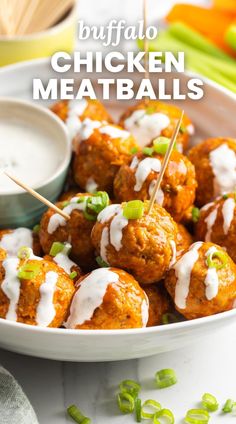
[[137, 178], [217, 223], [34, 291], [159, 303], [99, 155], [148, 120], [76, 230], [215, 164], [184, 240], [203, 281], [11, 240], [108, 298], [144, 247], [59, 254]]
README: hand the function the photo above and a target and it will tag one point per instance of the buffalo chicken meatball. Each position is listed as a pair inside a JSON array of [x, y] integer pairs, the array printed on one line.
[[12, 240], [137, 178], [34, 291], [59, 254], [100, 153], [203, 281], [159, 303], [145, 247], [215, 164], [148, 120], [108, 298], [217, 223]]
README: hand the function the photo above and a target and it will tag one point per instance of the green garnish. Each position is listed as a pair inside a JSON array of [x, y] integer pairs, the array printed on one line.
[[195, 214], [28, 271], [183, 129], [134, 150], [126, 402], [73, 275], [77, 415], [228, 406], [225, 196], [209, 402], [161, 144], [148, 151], [36, 229], [101, 262], [24, 252], [133, 209], [169, 318], [197, 416], [138, 409], [65, 204], [56, 248], [166, 413], [95, 204], [165, 378], [214, 258], [150, 110], [131, 387], [151, 405]]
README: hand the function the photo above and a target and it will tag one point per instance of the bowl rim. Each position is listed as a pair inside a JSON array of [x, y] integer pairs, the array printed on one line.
[[47, 32], [56, 122]]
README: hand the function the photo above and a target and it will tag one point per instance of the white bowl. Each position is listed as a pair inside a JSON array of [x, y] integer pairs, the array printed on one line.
[[214, 116]]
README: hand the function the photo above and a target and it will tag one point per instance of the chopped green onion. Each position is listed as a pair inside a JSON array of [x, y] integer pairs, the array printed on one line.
[[148, 151], [165, 378], [36, 229], [220, 256], [151, 404], [161, 144], [28, 271], [24, 252], [197, 416], [166, 413], [209, 402], [131, 387], [228, 406], [183, 129], [169, 318], [195, 214], [56, 248], [95, 204], [65, 204], [125, 402], [225, 196], [134, 150], [138, 410], [133, 209], [150, 110], [101, 262], [73, 275], [77, 415], [80, 199]]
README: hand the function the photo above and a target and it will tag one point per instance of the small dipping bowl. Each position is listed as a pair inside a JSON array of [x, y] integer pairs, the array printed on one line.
[[35, 147]]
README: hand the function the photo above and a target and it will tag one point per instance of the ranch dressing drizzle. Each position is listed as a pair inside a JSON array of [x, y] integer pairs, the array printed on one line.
[[207, 206], [145, 311], [12, 242], [144, 168], [210, 221], [11, 286], [45, 310], [223, 163], [228, 213], [174, 252], [91, 186], [90, 296], [87, 128], [114, 132], [211, 281], [183, 269], [63, 260], [145, 127], [107, 213], [75, 109], [160, 194], [104, 244], [57, 220], [190, 128], [117, 224]]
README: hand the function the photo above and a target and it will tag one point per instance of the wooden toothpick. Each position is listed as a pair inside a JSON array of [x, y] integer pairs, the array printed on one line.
[[37, 195], [165, 163]]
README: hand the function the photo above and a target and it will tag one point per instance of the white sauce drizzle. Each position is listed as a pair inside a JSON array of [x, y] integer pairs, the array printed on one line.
[[12, 242], [87, 128], [90, 296], [117, 224], [75, 109], [107, 213], [91, 186], [114, 132], [145, 127], [183, 269], [145, 311], [104, 243], [228, 214], [207, 206], [45, 309], [160, 194], [144, 168], [211, 281], [223, 163], [210, 221], [64, 262], [11, 286], [57, 220], [190, 128], [174, 253]]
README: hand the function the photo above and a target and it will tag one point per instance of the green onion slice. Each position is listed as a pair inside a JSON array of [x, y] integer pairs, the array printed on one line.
[[95, 204], [65, 204], [183, 129], [133, 150], [195, 214], [166, 413], [225, 196], [209, 402], [152, 405], [165, 378], [228, 406], [36, 229], [197, 416], [138, 409], [56, 248], [24, 252], [77, 415], [131, 387], [28, 271], [169, 318], [214, 258], [133, 209], [73, 275], [150, 110], [148, 151], [125, 402], [101, 262], [161, 144]]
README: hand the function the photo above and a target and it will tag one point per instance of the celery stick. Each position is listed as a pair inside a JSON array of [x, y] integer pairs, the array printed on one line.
[[184, 33], [230, 36], [211, 74]]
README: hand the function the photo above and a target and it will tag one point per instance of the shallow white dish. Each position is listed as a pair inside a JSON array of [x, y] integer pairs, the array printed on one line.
[[213, 116]]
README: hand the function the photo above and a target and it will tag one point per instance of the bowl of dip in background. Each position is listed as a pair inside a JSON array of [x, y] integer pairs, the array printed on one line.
[[34, 146]]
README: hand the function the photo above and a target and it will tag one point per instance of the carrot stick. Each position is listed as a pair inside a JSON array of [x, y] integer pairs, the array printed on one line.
[[226, 5]]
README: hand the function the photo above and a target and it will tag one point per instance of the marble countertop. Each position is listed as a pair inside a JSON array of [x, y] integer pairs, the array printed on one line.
[[51, 386]]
